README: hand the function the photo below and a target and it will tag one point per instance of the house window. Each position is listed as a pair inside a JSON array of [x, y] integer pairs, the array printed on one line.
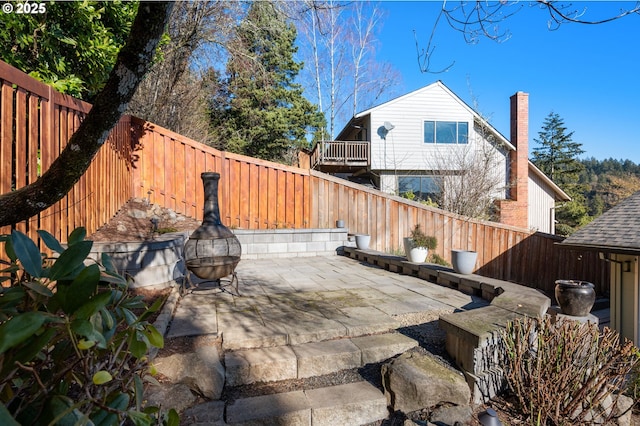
[[456, 132], [423, 187]]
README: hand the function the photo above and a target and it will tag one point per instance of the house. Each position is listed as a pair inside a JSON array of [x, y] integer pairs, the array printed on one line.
[[615, 235], [422, 142]]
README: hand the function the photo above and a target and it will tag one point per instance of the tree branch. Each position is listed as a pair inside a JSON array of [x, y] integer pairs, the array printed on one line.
[[133, 61]]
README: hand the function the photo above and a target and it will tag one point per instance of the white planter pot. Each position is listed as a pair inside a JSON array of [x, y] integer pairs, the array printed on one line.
[[414, 254], [362, 241], [464, 261]]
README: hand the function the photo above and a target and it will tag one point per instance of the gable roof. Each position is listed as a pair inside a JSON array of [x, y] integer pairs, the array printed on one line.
[[477, 117], [616, 231], [559, 194]]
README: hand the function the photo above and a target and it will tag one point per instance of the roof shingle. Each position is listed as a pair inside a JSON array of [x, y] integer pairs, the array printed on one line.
[[617, 229]]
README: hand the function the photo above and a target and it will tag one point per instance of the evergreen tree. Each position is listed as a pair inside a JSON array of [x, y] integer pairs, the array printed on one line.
[[71, 47], [557, 156], [260, 111]]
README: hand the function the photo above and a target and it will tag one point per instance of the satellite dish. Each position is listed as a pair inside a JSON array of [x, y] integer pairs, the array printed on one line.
[[388, 126]]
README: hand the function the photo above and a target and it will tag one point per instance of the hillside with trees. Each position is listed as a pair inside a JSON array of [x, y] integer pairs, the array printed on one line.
[[594, 185], [607, 182]]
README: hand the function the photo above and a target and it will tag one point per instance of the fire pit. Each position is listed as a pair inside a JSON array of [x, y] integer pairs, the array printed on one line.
[[212, 251]]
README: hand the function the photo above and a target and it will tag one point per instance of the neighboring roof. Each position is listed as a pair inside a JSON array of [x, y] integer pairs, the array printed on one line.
[[616, 231], [560, 195]]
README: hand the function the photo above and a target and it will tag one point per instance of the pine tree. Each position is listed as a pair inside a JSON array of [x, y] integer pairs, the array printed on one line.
[[557, 154], [261, 111], [557, 157]]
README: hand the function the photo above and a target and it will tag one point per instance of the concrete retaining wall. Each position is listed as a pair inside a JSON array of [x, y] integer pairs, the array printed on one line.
[[154, 263], [269, 243]]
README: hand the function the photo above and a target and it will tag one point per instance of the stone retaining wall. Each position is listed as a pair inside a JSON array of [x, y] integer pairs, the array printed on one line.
[[152, 263]]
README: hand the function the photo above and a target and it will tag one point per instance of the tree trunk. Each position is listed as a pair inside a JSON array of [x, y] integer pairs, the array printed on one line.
[[134, 60]]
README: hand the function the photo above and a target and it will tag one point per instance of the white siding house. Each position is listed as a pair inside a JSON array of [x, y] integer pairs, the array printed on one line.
[[419, 137]]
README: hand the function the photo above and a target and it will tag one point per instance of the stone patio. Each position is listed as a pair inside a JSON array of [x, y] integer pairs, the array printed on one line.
[[307, 316]]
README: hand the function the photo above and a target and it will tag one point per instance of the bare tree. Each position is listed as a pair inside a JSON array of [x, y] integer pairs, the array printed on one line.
[[483, 19], [465, 178], [471, 177], [340, 56], [133, 62], [174, 94]]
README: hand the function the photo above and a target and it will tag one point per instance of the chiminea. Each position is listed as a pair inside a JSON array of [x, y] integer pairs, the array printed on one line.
[[212, 251]]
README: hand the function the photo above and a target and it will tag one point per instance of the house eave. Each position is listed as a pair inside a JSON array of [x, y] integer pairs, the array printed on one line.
[[560, 194], [600, 248]]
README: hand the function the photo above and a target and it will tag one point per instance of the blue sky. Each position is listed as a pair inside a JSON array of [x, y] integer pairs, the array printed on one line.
[[588, 74]]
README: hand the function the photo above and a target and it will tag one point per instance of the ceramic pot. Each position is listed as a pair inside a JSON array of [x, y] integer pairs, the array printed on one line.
[[414, 254], [362, 241], [576, 298], [464, 261]]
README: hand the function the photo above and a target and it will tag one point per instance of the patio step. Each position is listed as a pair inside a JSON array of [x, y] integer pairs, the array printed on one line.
[[270, 364], [350, 404]]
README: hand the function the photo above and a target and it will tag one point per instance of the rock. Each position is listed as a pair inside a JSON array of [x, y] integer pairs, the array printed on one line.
[[623, 410], [177, 396], [451, 415], [121, 227], [208, 413], [137, 214], [414, 381], [200, 370]]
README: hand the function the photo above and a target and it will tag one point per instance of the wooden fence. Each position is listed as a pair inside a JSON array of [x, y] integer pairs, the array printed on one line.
[[256, 194], [35, 125], [146, 161]]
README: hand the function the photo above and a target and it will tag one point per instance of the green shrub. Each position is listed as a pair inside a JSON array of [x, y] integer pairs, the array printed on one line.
[[420, 239], [437, 259], [564, 373], [72, 350]]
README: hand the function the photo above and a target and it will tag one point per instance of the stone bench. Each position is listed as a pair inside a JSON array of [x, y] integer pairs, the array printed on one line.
[[473, 338]]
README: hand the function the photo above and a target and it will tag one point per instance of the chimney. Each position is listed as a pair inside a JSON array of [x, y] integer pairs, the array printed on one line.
[[515, 210], [520, 139]]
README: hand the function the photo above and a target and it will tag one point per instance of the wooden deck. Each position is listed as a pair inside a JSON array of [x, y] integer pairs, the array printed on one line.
[[341, 156]]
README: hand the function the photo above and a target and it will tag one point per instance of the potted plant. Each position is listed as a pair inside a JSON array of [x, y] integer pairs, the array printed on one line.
[[417, 246]]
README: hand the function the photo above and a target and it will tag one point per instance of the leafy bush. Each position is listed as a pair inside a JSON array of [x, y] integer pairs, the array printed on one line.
[[72, 350], [567, 372]]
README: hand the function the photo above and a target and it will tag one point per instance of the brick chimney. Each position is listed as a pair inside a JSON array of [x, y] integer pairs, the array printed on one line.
[[515, 211]]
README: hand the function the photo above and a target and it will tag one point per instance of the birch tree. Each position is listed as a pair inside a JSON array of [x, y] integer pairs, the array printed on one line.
[[340, 56]]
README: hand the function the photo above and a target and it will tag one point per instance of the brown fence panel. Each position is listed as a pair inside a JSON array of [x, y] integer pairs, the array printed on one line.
[[504, 252], [253, 193], [36, 123]]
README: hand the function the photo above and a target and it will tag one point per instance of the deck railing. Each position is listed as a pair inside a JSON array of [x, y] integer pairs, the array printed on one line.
[[346, 153]]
